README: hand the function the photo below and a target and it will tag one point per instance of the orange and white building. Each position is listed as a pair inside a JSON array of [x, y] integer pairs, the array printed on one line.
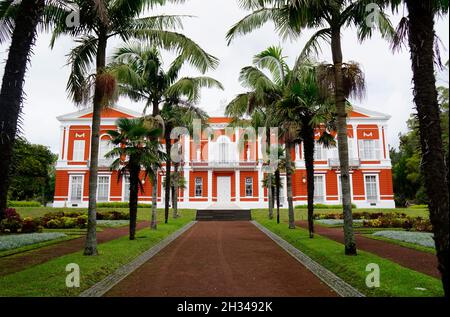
[[217, 173]]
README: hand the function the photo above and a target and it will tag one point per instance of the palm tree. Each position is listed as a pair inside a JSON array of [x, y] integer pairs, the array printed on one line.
[[142, 77], [291, 17], [304, 102], [418, 29], [135, 146], [18, 23], [99, 22]]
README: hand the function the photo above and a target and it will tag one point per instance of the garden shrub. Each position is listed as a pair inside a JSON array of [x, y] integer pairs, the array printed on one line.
[[323, 206], [29, 225], [24, 204], [13, 223], [77, 219], [121, 204]]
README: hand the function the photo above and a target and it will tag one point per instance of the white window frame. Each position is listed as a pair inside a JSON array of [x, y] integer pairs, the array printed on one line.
[[70, 188], [249, 184], [109, 187], [125, 189], [108, 148], [371, 153], [340, 187], [377, 183], [324, 188], [320, 148], [78, 154], [199, 184]]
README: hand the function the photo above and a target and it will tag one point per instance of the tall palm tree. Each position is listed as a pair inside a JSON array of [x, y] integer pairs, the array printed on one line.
[[142, 77], [135, 147], [304, 102], [101, 20], [291, 17], [18, 24], [417, 28]]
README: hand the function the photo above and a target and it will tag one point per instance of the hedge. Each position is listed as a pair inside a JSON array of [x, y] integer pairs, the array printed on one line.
[[323, 206], [24, 204], [120, 204]]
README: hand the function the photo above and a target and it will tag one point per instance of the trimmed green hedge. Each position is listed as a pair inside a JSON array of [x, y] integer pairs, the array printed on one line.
[[418, 207], [120, 204], [24, 204], [323, 206]]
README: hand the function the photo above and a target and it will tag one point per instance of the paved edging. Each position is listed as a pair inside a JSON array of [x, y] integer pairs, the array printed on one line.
[[341, 287], [110, 281]]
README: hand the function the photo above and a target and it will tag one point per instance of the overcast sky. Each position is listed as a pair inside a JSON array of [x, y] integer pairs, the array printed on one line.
[[388, 75]]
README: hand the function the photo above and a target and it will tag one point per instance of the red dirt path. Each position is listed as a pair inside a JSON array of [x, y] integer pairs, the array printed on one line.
[[416, 260], [19, 262], [222, 259]]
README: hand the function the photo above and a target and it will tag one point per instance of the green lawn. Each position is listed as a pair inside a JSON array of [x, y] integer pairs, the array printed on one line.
[[48, 279], [395, 279]]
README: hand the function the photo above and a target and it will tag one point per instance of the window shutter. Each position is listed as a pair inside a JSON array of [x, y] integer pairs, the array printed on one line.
[[361, 149], [350, 149]]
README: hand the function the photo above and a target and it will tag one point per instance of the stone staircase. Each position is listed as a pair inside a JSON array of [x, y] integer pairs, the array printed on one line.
[[224, 215]]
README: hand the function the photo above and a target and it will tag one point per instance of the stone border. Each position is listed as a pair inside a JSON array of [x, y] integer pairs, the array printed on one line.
[[110, 281], [341, 287]]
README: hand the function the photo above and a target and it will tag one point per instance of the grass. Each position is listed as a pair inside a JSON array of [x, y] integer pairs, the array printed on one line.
[[403, 244], [48, 279], [395, 279]]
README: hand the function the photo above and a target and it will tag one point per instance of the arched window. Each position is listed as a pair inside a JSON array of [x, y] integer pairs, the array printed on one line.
[[224, 148]]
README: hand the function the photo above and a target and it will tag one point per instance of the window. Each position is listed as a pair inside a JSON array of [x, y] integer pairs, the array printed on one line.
[[78, 150], [224, 149], [126, 188], [103, 188], [340, 187], [371, 188], [104, 148], [334, 150], [76, 189], [369, 149], [319, 152], [319, 192], [198, 187], [249, 186]]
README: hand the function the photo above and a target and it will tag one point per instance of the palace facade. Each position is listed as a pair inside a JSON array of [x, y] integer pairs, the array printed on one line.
[[215, 172]]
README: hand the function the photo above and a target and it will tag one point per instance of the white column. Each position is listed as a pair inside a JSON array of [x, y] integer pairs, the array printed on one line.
[[61, 143], [355, 143], [238, 157], [237, 185], [187, 149], [188, 184], [210, 185], [260, 187], [381, 142], [259, 146], [297, 152], [66, 144], [388, 155]]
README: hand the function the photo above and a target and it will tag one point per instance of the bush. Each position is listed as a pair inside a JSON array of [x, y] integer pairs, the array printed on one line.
[[24, 204], [418, 207], [121, 204], [323, 206], [12, 222], [29, 225], [77, 219]]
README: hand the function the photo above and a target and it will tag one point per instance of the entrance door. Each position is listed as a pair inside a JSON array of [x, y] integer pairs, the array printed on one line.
[[223, 189]]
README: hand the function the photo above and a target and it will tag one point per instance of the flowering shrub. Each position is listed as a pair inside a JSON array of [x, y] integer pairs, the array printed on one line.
[[29, 225], [76, 219]]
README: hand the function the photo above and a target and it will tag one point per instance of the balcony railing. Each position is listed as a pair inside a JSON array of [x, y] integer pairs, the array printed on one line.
[[227, 164], [352, 162]]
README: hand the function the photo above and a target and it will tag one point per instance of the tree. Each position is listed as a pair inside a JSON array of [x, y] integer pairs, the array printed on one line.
[[135, 147], [21, 29], [305, 103], [259, 102], [100, 21], [417, 29], [142, 77], [32, 172], [291, 17]]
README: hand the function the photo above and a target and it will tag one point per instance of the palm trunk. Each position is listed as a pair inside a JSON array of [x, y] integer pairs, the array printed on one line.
[[153, 222], [175, 191], [91, 237], [269, 179], [277, 188], [134, 189], [421, 43], [168, 168], [349, 239], [289, 185], [11, 93], [308, 143]]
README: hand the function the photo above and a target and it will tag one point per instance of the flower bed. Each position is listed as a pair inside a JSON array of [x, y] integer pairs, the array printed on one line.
[[14, 241], [420, 238], [335, 222]]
